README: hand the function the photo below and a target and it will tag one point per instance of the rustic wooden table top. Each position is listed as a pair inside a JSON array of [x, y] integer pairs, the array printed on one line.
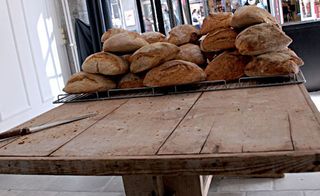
[[233, 132]]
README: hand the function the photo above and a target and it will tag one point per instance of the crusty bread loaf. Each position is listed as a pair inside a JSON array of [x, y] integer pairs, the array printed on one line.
[[216, 21], [183, 34], [222, 39], [83, 82], [274, 63], [152, 55], [250, 15], [130, 80], [261, 38], [153, 37], [227, 66], [174, 72], [126, 42], [127, 57], [192, 53], [105, 63], [294, 57], [111, 32]]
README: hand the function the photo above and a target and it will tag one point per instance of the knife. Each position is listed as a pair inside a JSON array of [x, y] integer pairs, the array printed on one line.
[[29, 130]]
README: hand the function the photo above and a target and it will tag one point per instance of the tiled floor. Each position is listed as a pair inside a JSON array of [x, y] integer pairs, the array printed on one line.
[[305, 184]]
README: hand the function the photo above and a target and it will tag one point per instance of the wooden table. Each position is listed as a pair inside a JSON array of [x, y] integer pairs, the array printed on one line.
[[160, 145]]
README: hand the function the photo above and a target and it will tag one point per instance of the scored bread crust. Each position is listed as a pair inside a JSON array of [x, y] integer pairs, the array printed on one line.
[[175, 72], [274, 63], [261, 38], [221, 39], [152, 55], [227, 66], [83, 82], [105, 63], [216, 21]]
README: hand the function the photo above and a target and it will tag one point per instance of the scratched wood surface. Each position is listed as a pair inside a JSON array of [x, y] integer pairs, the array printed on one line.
[[246, 131]]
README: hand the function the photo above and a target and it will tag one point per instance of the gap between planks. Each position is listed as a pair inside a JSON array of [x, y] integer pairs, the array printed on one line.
[[178, 124], [88, 127]]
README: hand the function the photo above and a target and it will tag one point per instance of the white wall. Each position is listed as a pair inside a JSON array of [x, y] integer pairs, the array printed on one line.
[[33, 60]]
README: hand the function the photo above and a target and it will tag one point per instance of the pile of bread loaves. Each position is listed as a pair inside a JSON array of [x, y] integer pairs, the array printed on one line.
[[227, 47]]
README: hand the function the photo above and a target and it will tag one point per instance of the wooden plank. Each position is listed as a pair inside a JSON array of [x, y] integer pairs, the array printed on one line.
[[182, 185], [233, 121], [139, 127], [305, 123], [143, 185], [47, 141], [244, 164]]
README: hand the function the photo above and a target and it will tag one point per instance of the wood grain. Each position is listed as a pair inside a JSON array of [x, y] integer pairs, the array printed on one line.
[[244, 164], [139, 127], [47, 141], [232, 122]]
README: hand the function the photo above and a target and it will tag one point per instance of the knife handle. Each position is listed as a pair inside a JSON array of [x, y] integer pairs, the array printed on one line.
[[15, 132]]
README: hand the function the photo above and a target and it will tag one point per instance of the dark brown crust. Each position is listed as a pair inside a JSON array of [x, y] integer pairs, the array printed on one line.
[[130, 80], [216, 21], [105, 63], [174, 72], [82, 82], [221, 39], [274, 63], [192, 53], [227, 66]]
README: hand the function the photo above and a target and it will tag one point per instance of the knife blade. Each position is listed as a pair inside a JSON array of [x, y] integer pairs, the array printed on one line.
[[29, 130]]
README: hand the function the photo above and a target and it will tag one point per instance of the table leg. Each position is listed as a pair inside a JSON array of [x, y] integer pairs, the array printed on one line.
[[166, 185]]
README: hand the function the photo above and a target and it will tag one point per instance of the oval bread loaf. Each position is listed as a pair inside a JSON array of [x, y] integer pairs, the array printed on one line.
[[192, 53], [126, 42], [152, 55], [174, 72], [183, 34], [83, 82], [261, 38], [105, 63]]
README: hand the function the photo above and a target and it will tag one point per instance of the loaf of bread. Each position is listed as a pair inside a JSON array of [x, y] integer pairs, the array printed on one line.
[[127, 57], [183, 34], [250, 15], [111, 32], [216, 21], [274, 63], [153, 37], [174, 72], [130, 80], [105, 63], [227, 66], [192, 53], [261, 38], [83, 82], [126, 42], [152, 55], [221, 39]]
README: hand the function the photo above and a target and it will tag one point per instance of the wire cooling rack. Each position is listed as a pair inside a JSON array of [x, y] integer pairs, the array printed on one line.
[[244, 82]]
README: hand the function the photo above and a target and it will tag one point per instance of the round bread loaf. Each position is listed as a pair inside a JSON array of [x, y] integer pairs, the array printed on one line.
[[105, 63], [83, 82]]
